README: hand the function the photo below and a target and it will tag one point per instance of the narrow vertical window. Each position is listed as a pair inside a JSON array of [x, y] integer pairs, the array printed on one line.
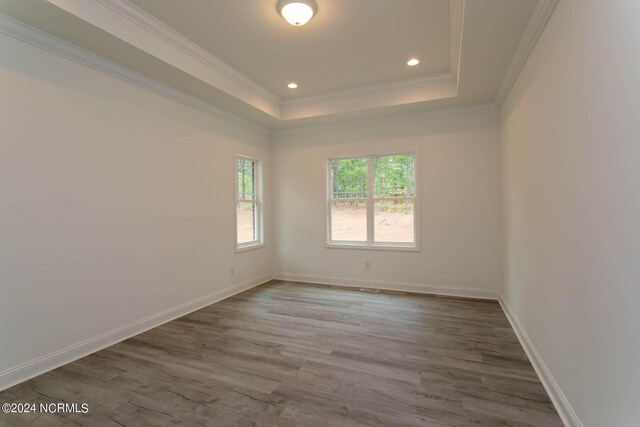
[[248, 203], [372, 201]]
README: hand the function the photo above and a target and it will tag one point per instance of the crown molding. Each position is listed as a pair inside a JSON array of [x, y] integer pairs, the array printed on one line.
[[419, 89], [376, 95], [372, 89], [137, 27], [168, 34], [456, 25], [387, 120], [455, 28], [21, 31], [132, 25], [541, 15]]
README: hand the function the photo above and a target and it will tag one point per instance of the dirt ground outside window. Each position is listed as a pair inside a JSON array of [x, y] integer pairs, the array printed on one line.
[[349, 224]]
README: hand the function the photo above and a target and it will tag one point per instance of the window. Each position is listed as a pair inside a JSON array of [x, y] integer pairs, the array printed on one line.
[[248, 204], [372, 201]]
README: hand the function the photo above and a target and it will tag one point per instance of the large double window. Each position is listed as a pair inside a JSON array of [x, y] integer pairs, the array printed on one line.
[[249, 232], [372, 201]]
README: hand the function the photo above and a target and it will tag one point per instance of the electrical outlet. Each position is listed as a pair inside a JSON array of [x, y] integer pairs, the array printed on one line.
[[367, 265], [232, 271]]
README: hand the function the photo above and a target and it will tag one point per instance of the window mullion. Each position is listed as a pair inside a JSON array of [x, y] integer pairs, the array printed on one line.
[[370, 229]]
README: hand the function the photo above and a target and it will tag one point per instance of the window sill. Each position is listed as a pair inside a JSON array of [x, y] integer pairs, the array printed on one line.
[[249, 247], [376, 247]]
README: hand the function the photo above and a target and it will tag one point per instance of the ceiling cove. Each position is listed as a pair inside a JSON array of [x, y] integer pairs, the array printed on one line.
[[135, 26], [260, 109]]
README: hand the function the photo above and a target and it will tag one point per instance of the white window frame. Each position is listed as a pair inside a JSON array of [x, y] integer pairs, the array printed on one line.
[[370, 199], [259, 220]]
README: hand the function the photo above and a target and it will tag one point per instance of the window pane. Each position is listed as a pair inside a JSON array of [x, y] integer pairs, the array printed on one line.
[[393, 221], [246, 217], [246, 178], [394, 176], [349, 221], [349, 178]]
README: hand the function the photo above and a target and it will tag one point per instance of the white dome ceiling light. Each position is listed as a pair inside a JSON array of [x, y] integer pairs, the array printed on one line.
[[413, 62], [297, 12]]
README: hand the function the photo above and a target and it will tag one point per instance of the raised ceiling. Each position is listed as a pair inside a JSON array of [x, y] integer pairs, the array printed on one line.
[[350, 59], [346, 44]]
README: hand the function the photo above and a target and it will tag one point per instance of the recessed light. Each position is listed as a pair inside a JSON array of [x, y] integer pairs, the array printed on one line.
[[292, 85], [412, 62], [297, 12]]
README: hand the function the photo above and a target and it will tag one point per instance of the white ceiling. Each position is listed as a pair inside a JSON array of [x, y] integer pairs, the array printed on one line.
[[350, 59], [346, 44]]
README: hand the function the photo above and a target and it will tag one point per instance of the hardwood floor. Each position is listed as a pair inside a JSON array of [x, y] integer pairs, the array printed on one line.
[[304, 355]]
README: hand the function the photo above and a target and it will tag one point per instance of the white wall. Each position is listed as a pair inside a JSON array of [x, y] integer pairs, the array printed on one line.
[[115, 204], [459, 196], [571, 157]]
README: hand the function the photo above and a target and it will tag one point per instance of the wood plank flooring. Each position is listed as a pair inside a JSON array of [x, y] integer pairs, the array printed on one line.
[[303, 355]]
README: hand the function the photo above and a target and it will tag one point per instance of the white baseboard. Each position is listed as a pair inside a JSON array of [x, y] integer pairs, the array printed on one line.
[[28, 370], [562, 405], [391, 286], [25, 371]]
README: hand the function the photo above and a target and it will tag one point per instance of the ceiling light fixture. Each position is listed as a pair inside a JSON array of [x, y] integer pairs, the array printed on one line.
[[297, 12], [292, 85], [412, 62]]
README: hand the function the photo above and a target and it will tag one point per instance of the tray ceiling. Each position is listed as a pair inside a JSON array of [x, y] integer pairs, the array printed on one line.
[[348, 43], [349, 60]]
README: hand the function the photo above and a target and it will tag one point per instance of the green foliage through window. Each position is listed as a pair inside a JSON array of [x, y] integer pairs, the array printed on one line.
[[246, 170], [394, 176], [373, 200], [349, 178]]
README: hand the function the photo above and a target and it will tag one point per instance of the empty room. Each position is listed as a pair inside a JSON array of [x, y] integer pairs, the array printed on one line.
[[320, 213]]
